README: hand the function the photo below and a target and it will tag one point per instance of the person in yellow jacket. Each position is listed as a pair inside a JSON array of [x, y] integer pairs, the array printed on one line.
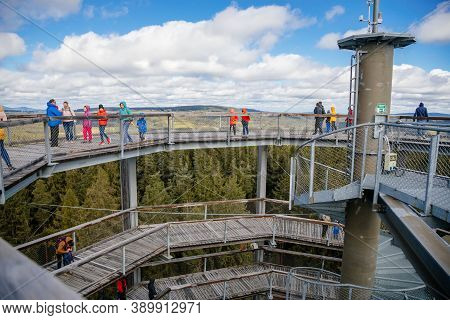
[[333, 119], [3, 151]]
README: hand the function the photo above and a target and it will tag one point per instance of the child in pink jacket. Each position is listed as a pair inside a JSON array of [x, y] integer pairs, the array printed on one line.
[[87, 125]]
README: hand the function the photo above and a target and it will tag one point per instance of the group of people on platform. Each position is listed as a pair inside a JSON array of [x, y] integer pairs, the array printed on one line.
[[330, 119], [87, 124], [245, 119]]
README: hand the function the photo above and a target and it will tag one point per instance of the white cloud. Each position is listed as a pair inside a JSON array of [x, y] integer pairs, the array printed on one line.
[[435, 27], [225, 61], [36, 9], [12, 45], [334, 11], [329, 40], [113, 13]]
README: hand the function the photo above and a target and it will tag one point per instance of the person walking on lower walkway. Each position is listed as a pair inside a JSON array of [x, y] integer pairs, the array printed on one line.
[[87, 125], [142, 127], [53, 111], [126, 122], [233, 121], [64, 246], [3, 151], [319, 110], [151, 289], [421, 115], [102, 124], [245, 119], [68, 124], [121, 289], [333, 118], [349, 119]]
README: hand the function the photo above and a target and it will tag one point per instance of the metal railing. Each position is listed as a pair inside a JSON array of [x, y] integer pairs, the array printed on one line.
[[412, 161]]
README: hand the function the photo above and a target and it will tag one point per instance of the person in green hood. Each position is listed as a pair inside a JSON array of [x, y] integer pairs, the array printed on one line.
[[126, 121]]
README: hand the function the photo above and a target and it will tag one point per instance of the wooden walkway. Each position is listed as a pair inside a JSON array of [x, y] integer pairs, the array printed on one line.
[[87, 274]]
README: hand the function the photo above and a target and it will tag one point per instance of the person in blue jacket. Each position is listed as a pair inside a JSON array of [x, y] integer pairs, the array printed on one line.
[[126, 121], [421, 115], [142, 127], [53, 111]]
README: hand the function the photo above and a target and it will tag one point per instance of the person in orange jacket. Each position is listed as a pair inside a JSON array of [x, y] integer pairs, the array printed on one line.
[[245, 119], [233, 121], [102, 124]]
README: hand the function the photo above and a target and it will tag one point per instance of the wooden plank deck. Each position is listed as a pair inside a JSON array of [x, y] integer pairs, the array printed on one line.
[[97, 273]]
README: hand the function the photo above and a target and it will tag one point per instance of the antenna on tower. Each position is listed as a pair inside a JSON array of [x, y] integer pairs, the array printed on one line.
[[374, 19]]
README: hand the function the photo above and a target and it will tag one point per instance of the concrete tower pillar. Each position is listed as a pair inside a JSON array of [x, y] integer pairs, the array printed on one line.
[[362, 225]]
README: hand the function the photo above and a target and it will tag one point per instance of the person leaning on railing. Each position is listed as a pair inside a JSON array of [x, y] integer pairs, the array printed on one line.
[[245, 118], [124, 110], [53, 111], [68, 124], [3, 151], [421, 115]]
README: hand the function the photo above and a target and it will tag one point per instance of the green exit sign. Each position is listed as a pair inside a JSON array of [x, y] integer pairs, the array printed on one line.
[[381, 108]]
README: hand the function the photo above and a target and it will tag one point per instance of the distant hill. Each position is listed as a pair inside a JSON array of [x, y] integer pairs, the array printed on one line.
[[181, 109], [22, 110], [431, 114]]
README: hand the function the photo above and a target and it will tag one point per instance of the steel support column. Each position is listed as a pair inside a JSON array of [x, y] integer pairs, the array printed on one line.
[[261, 179], [128, 188]]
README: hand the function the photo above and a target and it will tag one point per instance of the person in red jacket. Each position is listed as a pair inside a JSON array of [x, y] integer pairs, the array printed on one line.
[[121, 289], [233, 121], [245, 119], [349, 119], [102, 124]]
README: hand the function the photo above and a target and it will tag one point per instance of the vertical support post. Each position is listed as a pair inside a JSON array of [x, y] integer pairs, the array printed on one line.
[[8, 131], [363, 164], [229, 131], [205, 260], [169, 130], [168, 242], [74, 238], [304, 290], [124, 261], [376, 189], [278, 126], [274, 231], [224, 290], [261, 179], [311, 171], [205, 216], [121, 134], [326, 178], [220, 122], [350, 293], [288, 285], [225, 232], [2, 186], [270, 297], [47, 142], [128, 188], [292, 183], [355, 112], [432, 162]]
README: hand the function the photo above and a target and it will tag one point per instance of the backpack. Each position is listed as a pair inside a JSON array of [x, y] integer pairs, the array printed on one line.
[[58, 241]]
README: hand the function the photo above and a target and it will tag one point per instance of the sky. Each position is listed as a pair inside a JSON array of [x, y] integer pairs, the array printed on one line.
[[271, 55]]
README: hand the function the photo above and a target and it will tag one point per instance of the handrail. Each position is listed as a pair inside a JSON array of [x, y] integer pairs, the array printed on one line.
[[325, 166]]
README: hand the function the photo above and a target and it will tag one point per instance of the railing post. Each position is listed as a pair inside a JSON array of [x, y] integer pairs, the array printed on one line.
[[8, 130], [363, 165], [47, 142], [168, 242], [311, 171], [205, 260], [350, 293], [352, 171], [292, 183], [123, 261], [205, 216], [376, 188], [304, 290], [274, 228], [288, 285], [169, 129], [220, 122], [279, 132], [229, 131], [225, 232], [2, 185], [432, 162], [74, 238], [224, 290], [270, 297], [326, 179]]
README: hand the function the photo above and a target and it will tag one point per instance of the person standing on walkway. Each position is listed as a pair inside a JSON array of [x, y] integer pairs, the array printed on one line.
[[319, 110], [3, 151], [68, 124], [124, 110], [245, 119], [327, 122], [333, 118], [122, 288], [233, 121], [102, 124], [151, 289], [349, 119], [142, 127], [53, 111], [325, 219], [63, 247], [421, 115], [87, 125]]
